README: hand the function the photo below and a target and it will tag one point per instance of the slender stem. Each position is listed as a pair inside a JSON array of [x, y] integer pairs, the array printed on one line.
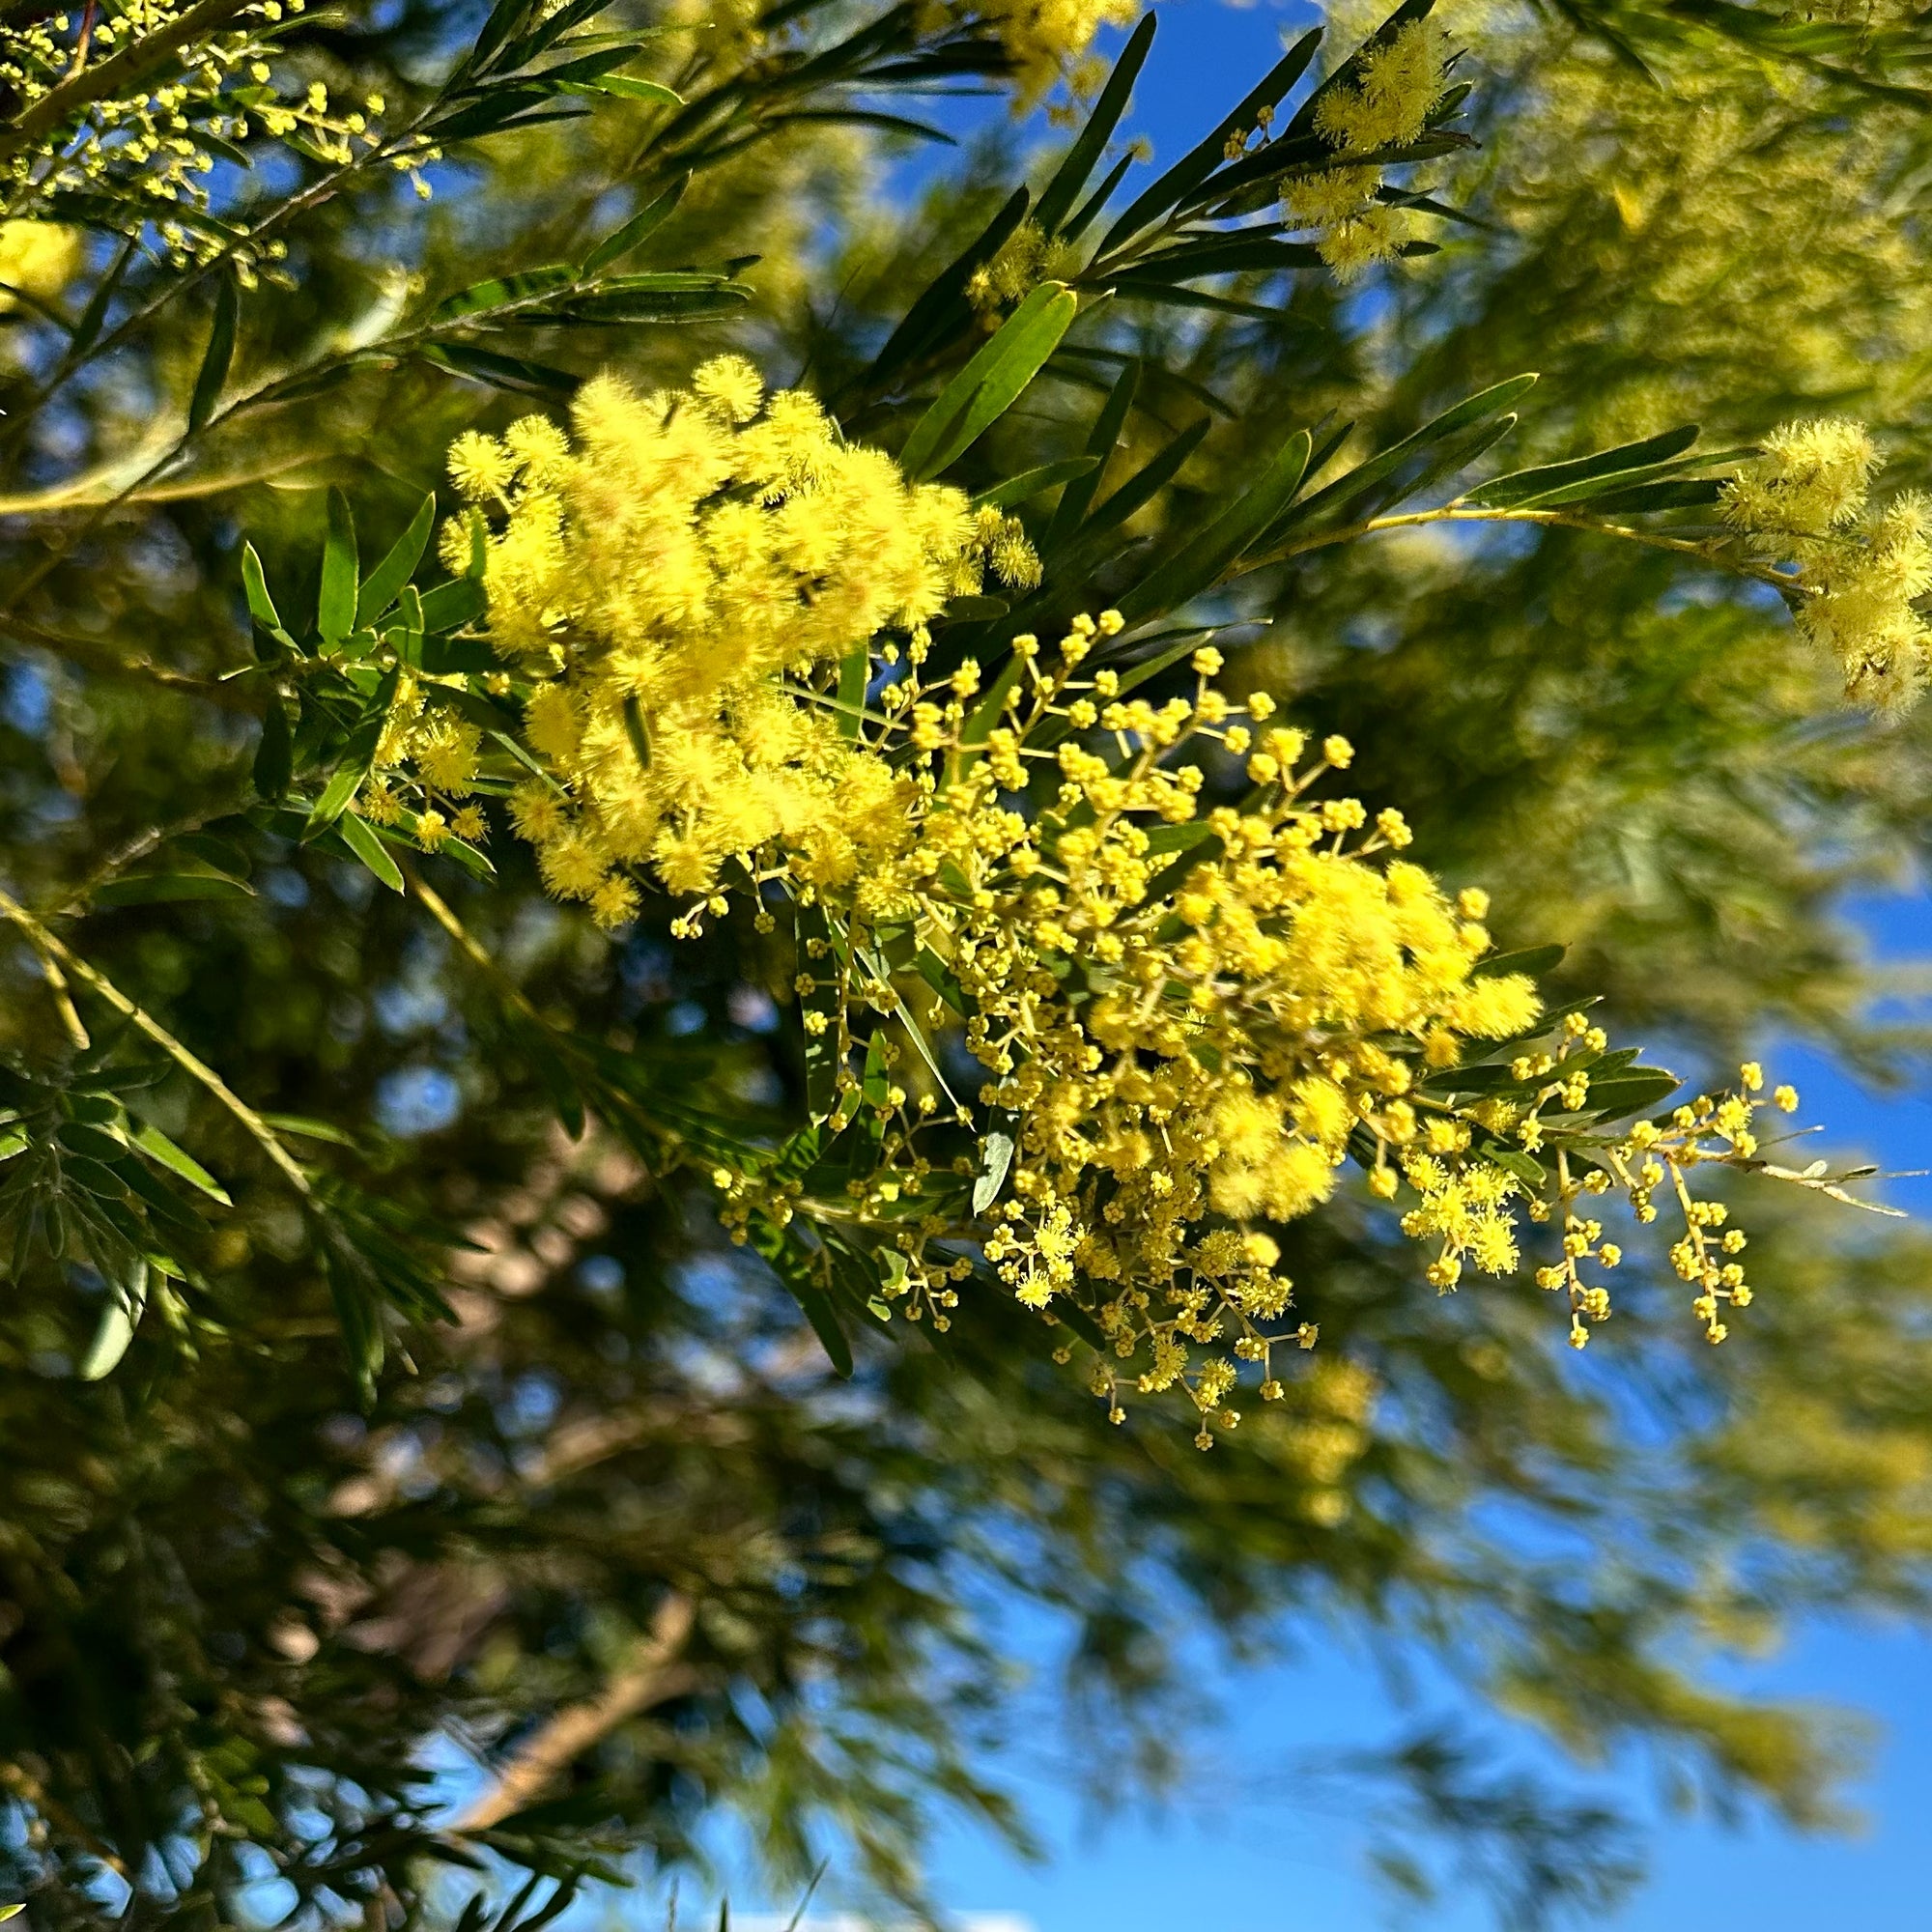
[[1565, 520], [44, 942], [472, 948], [652, 1675]]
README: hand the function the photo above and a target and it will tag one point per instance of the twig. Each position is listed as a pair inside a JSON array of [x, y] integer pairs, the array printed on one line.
[[44, 942], [652, 1676]]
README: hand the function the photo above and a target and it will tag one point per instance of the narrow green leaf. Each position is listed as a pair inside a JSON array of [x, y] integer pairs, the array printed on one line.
[[1555, 481], [515, 374], [637, 229], [944, 297], [1202, 558], [384, 584], [1195, 166], [357, 755], [1031, 483], [218, 355], [1080, 222], [335, 605], [502, 291], [158, 1147], [1490, 401], [1685, 493], [117, 1321], [159, 888], [370, 849], [821, 1047], [991, 383], [854, 674], [261, 606], [449, 608], [792, 1269], [309, 1128], [621, 84], [996, 1159], [1078, 496], [1058, 195], [1534, 960]]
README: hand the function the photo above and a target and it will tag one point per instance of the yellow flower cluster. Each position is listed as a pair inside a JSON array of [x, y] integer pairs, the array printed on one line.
[[1384, 107], [670, 582], [1186, 1016], [37, 258], [424, 777], [1468, 1175], [1049, 41], [716, 613], [1027, 259], [1858, 573]]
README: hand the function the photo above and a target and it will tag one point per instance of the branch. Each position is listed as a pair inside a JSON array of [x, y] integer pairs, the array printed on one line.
[[653, 1676], [98, 655], [259, 1130], [1563, 520]]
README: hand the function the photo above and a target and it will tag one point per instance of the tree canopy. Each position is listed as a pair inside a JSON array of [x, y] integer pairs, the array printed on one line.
[[743, 921]]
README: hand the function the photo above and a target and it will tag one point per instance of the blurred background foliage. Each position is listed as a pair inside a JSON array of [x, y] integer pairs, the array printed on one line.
[[614, 1532]]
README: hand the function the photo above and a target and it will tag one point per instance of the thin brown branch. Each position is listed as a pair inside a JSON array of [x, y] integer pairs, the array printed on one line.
[[653, 1675]]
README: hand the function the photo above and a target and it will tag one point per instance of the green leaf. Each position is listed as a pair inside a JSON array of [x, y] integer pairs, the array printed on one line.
[[370, 849], [118, 1322], [854, 674], [925, 323], [791, 1269], [1553, 481], [515, 374], [1202, 558], [275, 754], [666, 295], [996, 1159], [1031, 483], [218, 355], [621, 84], [1077, 498], [502, 291], [1534, 960], [1637, 1089], [158, 888], [1490, 401], [1072, 176], [309, 1128], [384, 584], [1199, 162], [357, 755], [158, 1147], [335, 605], [941, 978], [449, 608], [1688, 493], [647, 221], [261, 606], [991, 383], [1078, 225], [821, 1049]]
